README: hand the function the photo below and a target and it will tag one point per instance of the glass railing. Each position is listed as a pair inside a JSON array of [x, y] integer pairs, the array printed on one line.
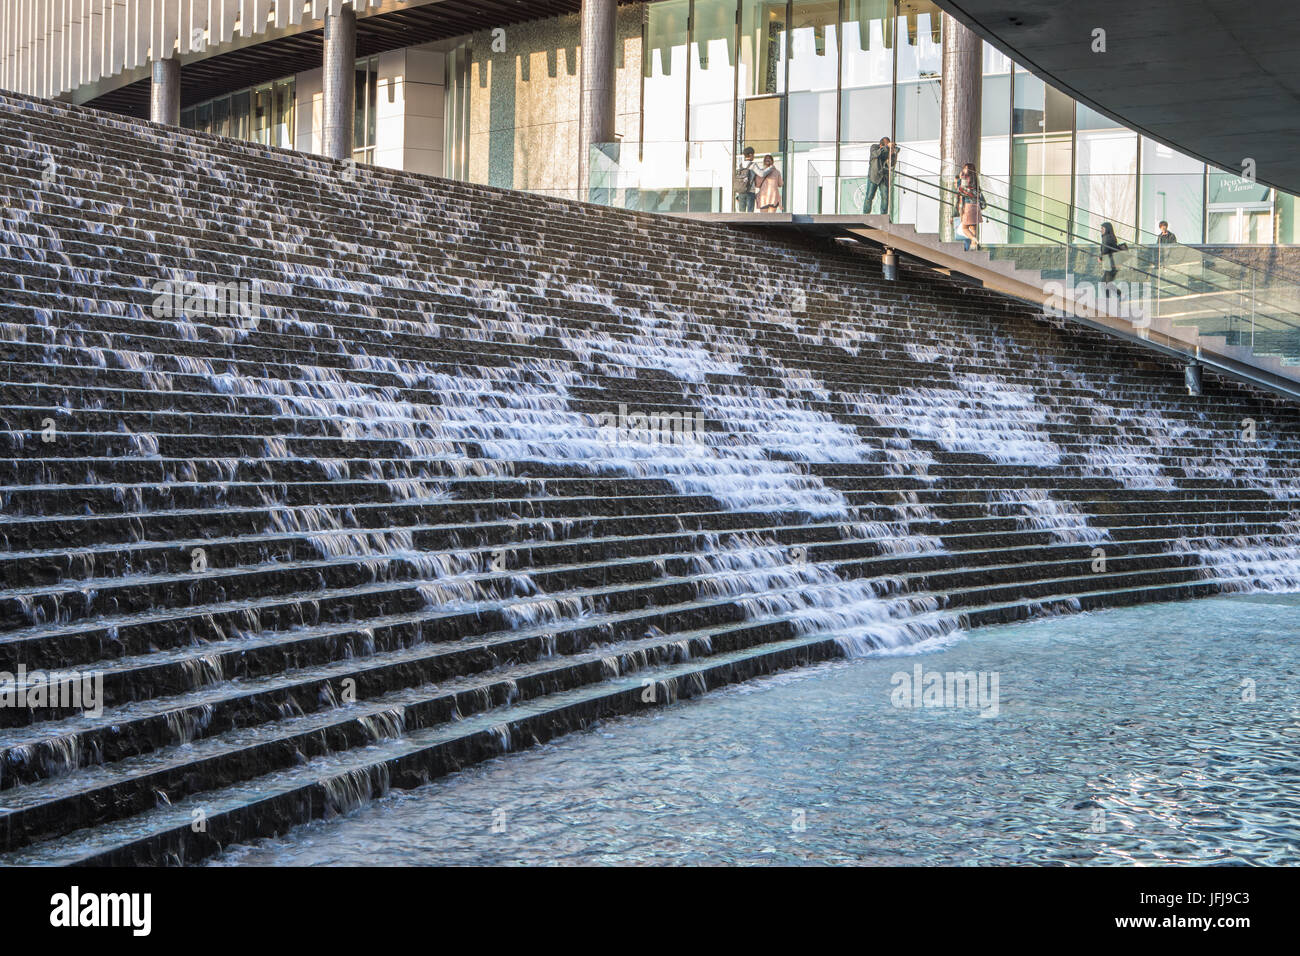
[[1147, 283], [663, 177]]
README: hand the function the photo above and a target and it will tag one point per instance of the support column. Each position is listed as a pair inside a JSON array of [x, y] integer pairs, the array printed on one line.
[[338, 84], [959, 131], [165, 92], [597, 116]]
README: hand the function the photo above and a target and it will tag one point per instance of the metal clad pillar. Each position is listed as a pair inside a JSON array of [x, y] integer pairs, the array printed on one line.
[[959, 130], [338, 83], [165, 92], [597, 107]]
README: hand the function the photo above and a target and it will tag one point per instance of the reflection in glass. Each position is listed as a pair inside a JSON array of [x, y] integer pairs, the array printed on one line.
[[1106, 176], [1172, 188], [917, 100], [665, 68], [283, 134], [995, 151], [761, 118], [1237, 210], [866, 96], [713, 93], [813, 81], [261, 117], [240, 106], [1041, 159], [221, 116]]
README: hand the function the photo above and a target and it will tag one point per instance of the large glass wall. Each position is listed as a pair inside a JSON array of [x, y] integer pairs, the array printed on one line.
[[815, 83], [366, 107], [260, 114]]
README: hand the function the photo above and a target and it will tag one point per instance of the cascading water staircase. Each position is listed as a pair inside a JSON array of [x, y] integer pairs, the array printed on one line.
[[405, 513]]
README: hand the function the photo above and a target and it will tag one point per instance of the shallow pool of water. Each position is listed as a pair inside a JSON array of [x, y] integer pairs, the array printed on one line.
[[1160, 734]]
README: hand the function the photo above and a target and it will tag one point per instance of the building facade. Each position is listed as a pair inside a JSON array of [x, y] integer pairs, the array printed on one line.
[[813, 83]]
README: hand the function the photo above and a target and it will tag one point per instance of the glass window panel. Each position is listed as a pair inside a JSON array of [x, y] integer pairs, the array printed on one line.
[[995, 154], [1172, 189], [995, 105], [203, 117], [1088, 118], [1237, 210], [920, 49], [868, 71], [283, 131], [1106, 180], [814, 45], [240, 106], [665, 72], [812, 110], [867, 93], [995, 62], [221, 116], [372, 104], [917, 100], [1288, 230], [261, 116], [361, 86], [920, 60], [1040, 188], [1042, 124], [1039, 108], [762, 75], [918, 107], [713, 91]]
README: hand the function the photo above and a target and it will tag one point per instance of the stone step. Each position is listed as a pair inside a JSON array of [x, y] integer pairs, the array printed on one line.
[[416, 544]]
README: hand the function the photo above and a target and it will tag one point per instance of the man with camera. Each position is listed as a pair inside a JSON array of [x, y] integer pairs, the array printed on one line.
[[883, 156]]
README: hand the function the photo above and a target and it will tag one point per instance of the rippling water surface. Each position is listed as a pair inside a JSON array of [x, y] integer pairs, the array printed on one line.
[[1160, 734]]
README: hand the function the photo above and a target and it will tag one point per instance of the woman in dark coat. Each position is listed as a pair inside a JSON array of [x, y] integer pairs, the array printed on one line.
[[1109, 246]]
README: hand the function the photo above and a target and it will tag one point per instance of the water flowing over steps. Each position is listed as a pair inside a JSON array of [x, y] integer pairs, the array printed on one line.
[[379, 530]]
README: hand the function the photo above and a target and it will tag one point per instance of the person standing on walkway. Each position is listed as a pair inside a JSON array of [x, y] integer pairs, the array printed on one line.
[[1109, 246], [879, 171], [1164, 240], [971, 200], [770, 185], [746, 184]]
